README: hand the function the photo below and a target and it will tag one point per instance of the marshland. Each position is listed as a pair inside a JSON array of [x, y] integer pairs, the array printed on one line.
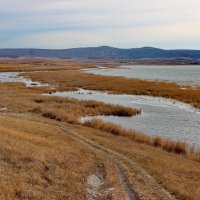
[[48, 118]]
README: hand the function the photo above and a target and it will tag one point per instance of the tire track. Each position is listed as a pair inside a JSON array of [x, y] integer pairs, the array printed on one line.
[[151, 189], [129, 193]]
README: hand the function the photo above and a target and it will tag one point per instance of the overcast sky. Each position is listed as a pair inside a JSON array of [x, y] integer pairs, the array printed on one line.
[[169, 24]]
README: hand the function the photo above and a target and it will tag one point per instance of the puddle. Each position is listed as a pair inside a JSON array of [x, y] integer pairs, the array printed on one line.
[[15, 77]]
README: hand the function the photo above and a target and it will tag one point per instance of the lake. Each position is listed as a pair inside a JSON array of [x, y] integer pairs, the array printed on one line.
[[182, 74]]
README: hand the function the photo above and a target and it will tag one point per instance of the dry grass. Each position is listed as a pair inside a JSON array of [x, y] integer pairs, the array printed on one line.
[[62, 109], [64, 75], [85, 108], [178, 173], [70, 80], [26, 65], [40, 162], [165, 144], [70, 110]]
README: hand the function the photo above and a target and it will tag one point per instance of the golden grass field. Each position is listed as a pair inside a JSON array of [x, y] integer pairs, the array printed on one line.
[[42, 162]]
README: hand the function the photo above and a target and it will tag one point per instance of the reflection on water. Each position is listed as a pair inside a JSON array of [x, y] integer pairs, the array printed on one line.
[[184, 75], [160, 116], [6, 77]]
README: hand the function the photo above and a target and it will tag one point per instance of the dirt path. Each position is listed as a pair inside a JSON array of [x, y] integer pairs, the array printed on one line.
[[136, 183], [129, 193]]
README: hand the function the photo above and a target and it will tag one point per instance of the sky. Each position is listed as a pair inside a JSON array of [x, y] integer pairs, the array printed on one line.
[[58, 24]]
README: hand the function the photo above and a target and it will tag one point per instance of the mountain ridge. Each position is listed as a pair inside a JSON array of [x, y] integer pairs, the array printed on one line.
[[101, 52]]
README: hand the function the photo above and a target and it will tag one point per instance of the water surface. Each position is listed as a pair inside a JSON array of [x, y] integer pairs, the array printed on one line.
[[14, 77], [160, 116], [184, 74]]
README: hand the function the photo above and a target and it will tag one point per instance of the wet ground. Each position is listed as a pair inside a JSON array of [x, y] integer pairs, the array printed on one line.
[[16, 78]]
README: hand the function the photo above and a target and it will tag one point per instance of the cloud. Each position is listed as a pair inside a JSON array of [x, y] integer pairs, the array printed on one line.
[[127, 23]]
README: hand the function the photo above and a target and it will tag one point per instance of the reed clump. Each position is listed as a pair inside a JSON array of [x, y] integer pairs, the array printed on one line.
[[57, 108], [56, 114], [168, 145]]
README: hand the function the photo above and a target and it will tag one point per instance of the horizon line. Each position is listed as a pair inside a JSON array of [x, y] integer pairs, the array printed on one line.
[[84, 47]]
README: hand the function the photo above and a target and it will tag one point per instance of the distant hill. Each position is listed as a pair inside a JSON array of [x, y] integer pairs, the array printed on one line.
[[103, 52]]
